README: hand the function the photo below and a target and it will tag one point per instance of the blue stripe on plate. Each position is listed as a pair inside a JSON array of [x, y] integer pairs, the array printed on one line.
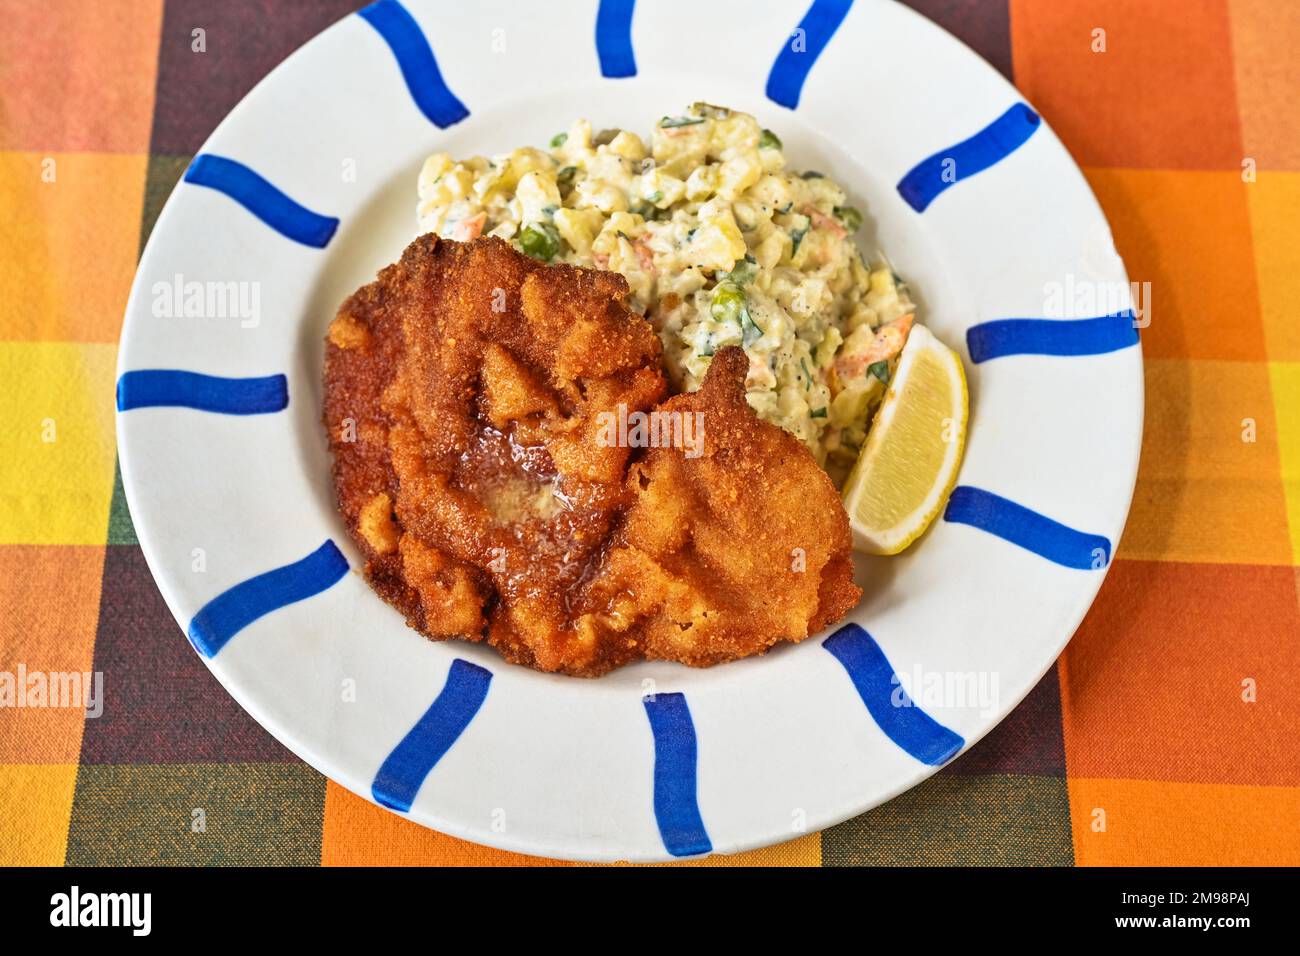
[[911, 728], [802, 48], [403, 771], [990, 145], [1030, 530], [416, 60], [1107, 333], [614, 38], [263, 200], [153, 387], [676, 809], [230, 612]]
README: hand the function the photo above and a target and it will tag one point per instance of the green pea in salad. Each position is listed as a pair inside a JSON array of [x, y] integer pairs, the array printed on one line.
[[720, 243]]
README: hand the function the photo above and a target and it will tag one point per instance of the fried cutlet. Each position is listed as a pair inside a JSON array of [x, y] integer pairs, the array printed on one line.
[[731, 545], [469, 396]]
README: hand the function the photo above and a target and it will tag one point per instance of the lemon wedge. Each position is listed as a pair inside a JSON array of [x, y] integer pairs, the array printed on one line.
[[909, 463]]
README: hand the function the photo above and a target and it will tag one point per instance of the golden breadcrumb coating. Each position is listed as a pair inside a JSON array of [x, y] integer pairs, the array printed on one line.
[[469, 396]]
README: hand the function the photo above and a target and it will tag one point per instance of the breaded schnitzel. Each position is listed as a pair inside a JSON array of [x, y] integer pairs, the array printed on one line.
[[724, 554], [469, 394]]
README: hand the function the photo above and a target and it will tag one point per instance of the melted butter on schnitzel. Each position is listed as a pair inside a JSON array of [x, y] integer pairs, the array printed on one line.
[[467, 394]]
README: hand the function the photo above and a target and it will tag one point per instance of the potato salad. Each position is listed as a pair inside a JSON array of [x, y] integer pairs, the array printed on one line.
[[721, 245]]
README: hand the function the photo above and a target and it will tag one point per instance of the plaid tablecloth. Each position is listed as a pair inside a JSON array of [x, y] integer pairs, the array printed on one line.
[[1169, 731]]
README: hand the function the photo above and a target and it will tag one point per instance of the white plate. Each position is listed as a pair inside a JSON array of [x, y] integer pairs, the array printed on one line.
[[749, 753]]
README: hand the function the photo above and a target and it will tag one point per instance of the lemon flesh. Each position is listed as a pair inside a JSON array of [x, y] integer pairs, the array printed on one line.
[[909, 463]]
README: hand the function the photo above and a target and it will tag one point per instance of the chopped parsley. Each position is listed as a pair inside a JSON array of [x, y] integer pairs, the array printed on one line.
[[750, 332], [796, 237], [880, 370]]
